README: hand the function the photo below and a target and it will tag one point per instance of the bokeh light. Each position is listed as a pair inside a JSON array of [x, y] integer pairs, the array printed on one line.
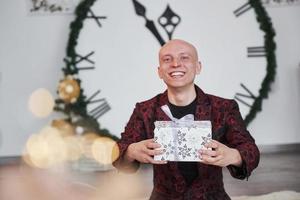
[[105, 150], [87, 140], [73, 148], [41, 103], [53, 147], [64, 127], [46, 149]]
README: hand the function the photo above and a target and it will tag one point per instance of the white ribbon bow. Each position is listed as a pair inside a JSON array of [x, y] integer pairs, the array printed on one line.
[[167, 111]]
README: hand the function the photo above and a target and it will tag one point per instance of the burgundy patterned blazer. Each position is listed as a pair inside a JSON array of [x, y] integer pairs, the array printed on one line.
[[227, 127]]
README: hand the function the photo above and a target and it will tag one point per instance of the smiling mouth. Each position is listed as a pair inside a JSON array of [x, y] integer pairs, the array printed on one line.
[[177, 74]]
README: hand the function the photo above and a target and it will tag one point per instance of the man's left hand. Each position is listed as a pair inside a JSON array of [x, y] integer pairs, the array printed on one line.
[[220, 155]]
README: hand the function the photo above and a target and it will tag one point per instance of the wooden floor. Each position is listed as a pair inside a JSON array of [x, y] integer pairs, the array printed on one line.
[[276, 172]]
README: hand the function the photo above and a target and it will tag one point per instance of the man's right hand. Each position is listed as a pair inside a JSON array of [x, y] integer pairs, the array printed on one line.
[[144, 151]]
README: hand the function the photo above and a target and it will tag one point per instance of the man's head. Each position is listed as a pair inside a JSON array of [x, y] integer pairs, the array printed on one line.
[[178, 64]]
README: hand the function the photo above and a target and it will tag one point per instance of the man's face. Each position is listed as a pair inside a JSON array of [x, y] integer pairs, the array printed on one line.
[[179, 64]]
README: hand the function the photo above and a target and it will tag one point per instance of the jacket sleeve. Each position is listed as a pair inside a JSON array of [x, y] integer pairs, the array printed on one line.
[[133, 133], [239, 138]]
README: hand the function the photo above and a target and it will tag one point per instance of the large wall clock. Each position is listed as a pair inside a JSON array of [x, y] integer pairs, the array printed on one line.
[[119, 41]]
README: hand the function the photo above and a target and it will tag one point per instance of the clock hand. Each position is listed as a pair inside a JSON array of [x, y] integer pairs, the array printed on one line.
[[141, 11], [169, 20]]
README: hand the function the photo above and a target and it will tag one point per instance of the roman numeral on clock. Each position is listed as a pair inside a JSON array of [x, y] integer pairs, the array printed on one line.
[[80, 58], [91, 15], [241, 10], [86, 58], [242, 97], [256, 52], [72, 67], [100, 109]]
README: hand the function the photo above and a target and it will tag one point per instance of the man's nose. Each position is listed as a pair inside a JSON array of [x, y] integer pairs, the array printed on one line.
[[176, 63]]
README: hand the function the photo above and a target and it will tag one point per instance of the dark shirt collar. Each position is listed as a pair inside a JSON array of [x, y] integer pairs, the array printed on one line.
[[201, 97]]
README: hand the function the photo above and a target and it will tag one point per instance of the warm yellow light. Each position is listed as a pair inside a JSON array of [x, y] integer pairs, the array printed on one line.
[[46, 149], [86, 143], [37, 152], [73, 148], [105, 150], [41, 103], [64, 127]]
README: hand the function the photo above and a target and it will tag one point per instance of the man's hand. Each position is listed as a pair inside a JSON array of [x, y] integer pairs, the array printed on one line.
[[220, 155], [144, 151]]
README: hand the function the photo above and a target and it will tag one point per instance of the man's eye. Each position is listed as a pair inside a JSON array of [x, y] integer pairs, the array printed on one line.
[[185, 58], [167, 59]]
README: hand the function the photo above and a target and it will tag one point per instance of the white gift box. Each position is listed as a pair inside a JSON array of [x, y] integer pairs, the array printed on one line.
[[181, 140]]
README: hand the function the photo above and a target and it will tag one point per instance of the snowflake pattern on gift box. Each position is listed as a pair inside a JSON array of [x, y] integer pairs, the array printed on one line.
[[191, 126], [169, 149], [193, 139], [206, 139], [184, 151], [181, 137], [181, 141], [195, 153]]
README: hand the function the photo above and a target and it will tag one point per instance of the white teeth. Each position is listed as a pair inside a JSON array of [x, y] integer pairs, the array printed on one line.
[[177, 74]]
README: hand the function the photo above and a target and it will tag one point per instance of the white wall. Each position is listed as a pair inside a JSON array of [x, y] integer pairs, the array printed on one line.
[[279, 123], [31, 52], [32, 49]]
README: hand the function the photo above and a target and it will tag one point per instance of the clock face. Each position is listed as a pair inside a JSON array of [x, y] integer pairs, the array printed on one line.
[[124, 51]]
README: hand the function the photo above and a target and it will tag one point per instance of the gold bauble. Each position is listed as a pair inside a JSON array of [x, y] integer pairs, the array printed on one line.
[[69, 90]]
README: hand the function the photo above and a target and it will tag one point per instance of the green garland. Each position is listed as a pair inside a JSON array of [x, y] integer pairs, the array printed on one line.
[[80, 106], [270, 46]]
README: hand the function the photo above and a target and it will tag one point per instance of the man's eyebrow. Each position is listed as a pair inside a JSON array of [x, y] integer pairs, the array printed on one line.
[[185, 53], [165, 55]]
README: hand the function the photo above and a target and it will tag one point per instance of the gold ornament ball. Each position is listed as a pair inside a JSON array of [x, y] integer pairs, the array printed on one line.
[[69, 90]]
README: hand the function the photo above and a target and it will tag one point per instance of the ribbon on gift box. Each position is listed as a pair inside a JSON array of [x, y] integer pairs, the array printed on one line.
[[183, 121], [167, 111]]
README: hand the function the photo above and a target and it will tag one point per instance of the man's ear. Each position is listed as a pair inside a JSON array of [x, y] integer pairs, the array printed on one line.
[[198, 67], [159, 72]]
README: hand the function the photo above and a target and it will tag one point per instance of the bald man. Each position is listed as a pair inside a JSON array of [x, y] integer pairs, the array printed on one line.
[[232, 145]]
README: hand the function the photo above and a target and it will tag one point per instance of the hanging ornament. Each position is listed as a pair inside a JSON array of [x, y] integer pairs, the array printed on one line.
[[69, 90]]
